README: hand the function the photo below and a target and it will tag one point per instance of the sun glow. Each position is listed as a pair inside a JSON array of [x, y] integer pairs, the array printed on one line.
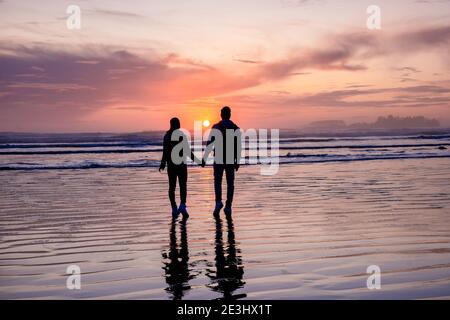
[[206, 123]]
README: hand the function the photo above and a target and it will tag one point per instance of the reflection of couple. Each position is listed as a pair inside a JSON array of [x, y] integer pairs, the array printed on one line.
[[226, 275], [223, 162]]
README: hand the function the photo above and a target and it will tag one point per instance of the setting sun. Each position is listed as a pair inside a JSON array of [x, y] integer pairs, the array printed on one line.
[[206, 123]]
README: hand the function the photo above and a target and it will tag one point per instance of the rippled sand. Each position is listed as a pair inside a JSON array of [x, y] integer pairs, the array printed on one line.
[[309, 232]]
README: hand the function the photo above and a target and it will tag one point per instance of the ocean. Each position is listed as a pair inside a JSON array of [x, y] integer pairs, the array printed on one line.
[[338, 207], [86, 151]]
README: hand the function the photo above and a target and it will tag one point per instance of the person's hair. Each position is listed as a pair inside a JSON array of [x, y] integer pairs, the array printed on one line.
[[225, 113], [174, 124]]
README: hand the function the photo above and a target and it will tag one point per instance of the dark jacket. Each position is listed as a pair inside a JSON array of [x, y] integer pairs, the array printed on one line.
[[220, 155], [168, 146]]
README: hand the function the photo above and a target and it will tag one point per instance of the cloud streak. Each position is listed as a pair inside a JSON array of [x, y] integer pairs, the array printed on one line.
[[41, 83]]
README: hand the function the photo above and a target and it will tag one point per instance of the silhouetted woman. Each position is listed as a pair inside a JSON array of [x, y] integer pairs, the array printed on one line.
[[177, 165]]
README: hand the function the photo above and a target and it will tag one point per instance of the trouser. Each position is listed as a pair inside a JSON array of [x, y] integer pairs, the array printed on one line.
[[218, 175], [177, 172]]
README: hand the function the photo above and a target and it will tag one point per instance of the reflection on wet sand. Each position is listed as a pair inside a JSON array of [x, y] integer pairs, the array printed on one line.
[[228, 274], [309, 232], [176, 263]]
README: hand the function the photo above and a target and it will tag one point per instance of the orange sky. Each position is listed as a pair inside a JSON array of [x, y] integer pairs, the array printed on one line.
[[277, 63]]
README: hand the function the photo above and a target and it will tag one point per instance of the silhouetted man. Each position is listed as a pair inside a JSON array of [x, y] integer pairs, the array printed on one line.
[[225, 137]]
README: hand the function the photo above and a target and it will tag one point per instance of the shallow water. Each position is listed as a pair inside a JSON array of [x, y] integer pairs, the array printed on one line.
[[308, 232]]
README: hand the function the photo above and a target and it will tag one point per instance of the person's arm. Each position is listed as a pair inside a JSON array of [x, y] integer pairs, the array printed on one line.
[[208, 147], [162, 166], [193, 157], [237, 148], [197, 160]]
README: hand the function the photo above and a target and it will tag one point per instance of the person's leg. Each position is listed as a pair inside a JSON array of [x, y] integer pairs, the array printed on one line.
[[182, 180], [218, 174], [229, 173], [172, 186]]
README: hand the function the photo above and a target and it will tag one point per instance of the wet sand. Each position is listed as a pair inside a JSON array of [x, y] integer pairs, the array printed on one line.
[[309, 232]]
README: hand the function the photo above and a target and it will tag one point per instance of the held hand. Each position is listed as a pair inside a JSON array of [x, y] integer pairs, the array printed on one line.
[[161, 168], [236, 167], [203, 164]]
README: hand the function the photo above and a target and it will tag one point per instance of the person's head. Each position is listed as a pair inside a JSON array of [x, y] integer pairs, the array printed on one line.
[[225, 113], [175, 124]]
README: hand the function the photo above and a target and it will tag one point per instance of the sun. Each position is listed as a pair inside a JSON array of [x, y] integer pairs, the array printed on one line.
[[206, 123]]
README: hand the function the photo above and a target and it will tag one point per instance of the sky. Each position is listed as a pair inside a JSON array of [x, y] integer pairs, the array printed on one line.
[[277, 63]]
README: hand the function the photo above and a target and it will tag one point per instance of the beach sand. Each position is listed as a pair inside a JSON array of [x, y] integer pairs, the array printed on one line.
[[309, 232]]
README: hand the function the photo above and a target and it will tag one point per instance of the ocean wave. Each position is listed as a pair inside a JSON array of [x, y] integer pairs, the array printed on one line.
[[366, 138], [102, 151], [50, 152], [80, 165], [77, 145], [368, 146], [286, 159], [132, 142]]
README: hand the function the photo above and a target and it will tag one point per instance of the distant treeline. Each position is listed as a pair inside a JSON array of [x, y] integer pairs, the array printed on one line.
[[389, 122]]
